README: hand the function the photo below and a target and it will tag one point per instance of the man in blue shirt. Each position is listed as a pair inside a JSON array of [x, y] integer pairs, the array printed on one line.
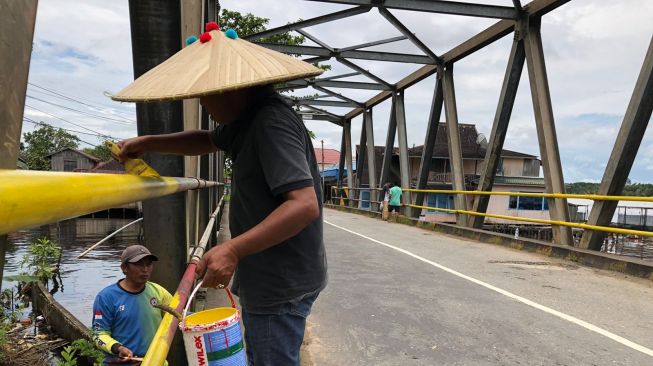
[[124, 320]]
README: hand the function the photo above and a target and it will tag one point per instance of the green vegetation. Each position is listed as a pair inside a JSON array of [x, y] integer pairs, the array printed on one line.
[[227, 165], [81, 348], [9, 315], [636, 189], [42, 258], [101, 151], [44, 141], [68, 355], [248, 24], [4, 341]]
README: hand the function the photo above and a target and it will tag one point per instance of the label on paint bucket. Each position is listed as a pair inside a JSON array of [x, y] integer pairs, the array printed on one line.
[[219, 348], [215, 344]]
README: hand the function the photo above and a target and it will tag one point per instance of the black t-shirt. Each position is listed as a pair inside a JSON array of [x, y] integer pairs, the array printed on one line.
[[272, 154]]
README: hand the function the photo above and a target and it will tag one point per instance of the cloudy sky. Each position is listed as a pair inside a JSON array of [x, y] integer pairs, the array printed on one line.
[[594, 50]]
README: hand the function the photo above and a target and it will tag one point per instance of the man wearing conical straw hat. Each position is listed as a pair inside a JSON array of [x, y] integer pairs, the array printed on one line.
[[276, 250]]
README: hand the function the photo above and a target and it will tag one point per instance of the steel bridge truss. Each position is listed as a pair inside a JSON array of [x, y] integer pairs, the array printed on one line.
[[523, 22]]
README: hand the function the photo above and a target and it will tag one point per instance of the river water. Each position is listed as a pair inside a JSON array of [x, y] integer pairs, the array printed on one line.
[[81, 279]]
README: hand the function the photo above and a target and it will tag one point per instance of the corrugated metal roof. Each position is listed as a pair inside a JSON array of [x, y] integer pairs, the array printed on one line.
[[468, 135], [470, 147], [88, 156], [331, 156]]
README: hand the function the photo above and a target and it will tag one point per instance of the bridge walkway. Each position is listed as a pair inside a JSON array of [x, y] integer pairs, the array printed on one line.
[[399, 295]]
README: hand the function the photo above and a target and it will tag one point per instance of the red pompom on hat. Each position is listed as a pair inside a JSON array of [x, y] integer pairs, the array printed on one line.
[[205, 37], [211, 26]]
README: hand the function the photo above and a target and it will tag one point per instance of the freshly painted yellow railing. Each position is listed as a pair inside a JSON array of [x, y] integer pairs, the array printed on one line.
[[31, 198], [594, 197], [541, 221], [533, 194], [160, 345]]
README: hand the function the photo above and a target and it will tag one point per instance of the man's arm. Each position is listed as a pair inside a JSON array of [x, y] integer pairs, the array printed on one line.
[[102, 318], [298, 210], [180, 143], [109, 345]]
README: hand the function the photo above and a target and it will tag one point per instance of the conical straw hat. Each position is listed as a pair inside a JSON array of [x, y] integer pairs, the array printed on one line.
[[218, 65]]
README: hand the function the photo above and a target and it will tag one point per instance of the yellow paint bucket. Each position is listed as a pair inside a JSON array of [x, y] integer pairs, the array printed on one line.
[[213, 337]]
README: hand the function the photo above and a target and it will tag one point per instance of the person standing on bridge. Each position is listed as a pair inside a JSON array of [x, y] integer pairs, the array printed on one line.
[[124, 320], [385, 196], [394, 204], [277, 250]]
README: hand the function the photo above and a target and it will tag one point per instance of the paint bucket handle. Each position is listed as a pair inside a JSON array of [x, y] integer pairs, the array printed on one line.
[[192, 295]]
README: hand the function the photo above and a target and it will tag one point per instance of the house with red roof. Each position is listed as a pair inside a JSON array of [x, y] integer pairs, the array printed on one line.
[[327, 158]]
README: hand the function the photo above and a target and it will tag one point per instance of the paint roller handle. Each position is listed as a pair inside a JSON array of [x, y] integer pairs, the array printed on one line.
[[132, 166]]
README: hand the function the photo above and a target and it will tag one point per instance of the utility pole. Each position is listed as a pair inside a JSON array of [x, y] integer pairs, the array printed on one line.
[[155, 36]]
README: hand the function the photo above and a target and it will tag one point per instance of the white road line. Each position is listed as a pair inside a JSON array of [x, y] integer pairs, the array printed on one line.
[[528, 302]]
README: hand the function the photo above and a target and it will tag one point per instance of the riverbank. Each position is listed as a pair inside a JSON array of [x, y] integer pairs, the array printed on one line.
[[28, 340], [71, 299]]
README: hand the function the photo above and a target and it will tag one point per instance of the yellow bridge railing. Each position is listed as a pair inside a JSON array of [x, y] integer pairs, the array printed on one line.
[[30, 198], [522, 219], [595, 197]]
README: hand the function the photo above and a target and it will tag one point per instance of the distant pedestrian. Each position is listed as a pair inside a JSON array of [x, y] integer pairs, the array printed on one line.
[[394, 204], [385, 196]]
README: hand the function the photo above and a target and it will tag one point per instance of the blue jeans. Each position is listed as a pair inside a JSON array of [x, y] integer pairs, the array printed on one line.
[[275, 339]]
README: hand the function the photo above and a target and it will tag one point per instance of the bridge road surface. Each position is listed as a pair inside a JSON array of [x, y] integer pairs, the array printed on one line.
[[501, 306]]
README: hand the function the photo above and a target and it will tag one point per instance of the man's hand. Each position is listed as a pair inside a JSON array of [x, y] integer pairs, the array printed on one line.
[[124, 352], [218, 265], [132, 148]]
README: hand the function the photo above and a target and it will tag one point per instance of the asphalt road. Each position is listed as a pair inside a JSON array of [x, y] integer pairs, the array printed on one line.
[[399, 295]]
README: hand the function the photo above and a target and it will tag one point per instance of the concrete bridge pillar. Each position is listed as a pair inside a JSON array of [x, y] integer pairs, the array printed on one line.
[[16, 35]]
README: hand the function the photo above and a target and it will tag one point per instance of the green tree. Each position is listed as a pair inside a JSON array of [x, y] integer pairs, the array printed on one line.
[[44, 141], [101, 152], [636, 189], [249, 23], [41, 258], [227, 165]]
